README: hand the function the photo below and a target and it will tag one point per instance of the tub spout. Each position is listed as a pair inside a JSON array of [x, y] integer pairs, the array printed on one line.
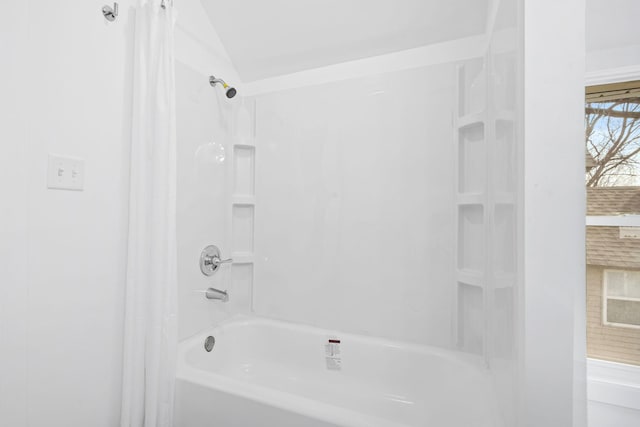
[[213, 293]]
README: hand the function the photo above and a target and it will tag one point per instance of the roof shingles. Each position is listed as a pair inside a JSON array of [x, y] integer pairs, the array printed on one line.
[[604, 246], [613, 200]]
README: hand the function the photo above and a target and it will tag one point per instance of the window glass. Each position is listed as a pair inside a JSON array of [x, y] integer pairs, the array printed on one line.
[[623, 284], [632, 289], [615, 283], [612, 178], [612, 122], [623, 312]]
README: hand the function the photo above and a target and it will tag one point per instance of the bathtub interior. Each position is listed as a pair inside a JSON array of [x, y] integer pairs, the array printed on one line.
[[390, 383], [371, 192]]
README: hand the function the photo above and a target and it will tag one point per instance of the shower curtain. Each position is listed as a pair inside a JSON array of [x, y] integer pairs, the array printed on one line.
[[151, 284]]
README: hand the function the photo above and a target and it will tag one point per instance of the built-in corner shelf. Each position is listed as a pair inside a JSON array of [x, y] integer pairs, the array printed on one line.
[[471, 120], [470, 277], [505, 198], [243, 204], [244, 144], [470, 199], [504, 280], [243, 200], [242, 257], [471, 129], [505, 116], [486, 161]]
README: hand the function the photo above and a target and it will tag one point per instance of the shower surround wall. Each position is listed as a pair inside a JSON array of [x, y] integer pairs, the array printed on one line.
[[210, 164], [209, 129], [354, 224], [387, 203]]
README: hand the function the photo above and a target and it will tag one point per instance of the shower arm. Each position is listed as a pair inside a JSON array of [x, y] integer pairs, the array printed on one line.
[[230, 92], [214, 80]]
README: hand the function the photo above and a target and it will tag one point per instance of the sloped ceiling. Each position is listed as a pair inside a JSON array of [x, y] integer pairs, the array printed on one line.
[[266, 38]]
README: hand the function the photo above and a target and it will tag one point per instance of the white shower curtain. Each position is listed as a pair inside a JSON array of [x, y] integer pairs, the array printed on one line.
[[151, 288]]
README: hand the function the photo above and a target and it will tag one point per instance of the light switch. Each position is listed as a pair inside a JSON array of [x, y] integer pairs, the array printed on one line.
[[65, 173]]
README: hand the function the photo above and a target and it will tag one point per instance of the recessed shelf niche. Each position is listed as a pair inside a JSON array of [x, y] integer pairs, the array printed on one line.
[[242, 227], [471, 159], [470, 318], [243, 180], [471, 237]]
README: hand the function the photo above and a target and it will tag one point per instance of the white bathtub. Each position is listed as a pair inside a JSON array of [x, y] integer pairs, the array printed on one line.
[[269, 373]]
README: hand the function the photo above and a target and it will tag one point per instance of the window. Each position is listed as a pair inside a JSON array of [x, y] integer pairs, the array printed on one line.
[[612, 178], [621, 305]]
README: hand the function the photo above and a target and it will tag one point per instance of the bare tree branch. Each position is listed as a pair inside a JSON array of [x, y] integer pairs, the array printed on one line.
[[612, 137], [614, 113]]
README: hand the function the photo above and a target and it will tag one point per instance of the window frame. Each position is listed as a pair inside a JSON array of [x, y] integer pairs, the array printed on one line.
[[611, 382]]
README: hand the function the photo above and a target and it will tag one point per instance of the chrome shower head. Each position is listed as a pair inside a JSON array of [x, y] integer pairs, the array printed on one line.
[[230, 91]]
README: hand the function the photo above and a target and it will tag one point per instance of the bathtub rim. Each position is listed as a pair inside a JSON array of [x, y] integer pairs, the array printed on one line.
[[468, 359]]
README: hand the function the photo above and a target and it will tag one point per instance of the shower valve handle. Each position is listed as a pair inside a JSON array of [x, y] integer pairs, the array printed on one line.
[[211, 260], [217, 261]]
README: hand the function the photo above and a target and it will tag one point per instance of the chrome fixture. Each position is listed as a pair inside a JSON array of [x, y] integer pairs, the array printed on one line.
[[231, 91], [211, 259], [110, 13], [209, 342], [213, 293]]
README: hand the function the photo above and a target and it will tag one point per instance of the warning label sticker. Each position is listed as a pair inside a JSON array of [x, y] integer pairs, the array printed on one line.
[[332, 354]]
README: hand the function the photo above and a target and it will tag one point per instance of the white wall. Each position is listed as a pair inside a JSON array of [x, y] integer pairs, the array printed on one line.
[[67, 80], [197, 43], [64, 253], [13, 220], [66, 249], [268, 39], [505, 166], [79, 105], [611, 35], [355, 205], [553, 301]]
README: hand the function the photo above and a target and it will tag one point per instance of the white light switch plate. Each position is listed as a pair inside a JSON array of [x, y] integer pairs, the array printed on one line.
[[65, 173]]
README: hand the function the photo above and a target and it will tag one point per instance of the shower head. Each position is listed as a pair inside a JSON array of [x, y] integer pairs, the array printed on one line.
[[230, 91]]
